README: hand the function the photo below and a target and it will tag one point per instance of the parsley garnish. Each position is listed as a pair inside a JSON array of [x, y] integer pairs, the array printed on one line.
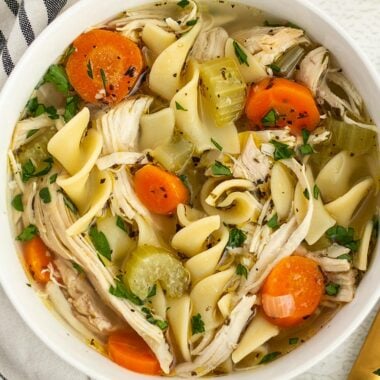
[[197, 325], [31, 133], [345, 256], [100, 242], [305, 135], [219, 169], [270, 119], [36, 109], [269, 357], [77, 267], [240, 54], [241, 270], [152, 291], [56, 74], [237, 238], [217, 146], [53, 178], [273, 222], [306, 194], [185, 181], [306, 148], [377, 372], [71, 108], [192, 22], [89, 70], [28, 170], [104, 79], [121, 224], [343, 236], [68, 202], [70, 50], [316, 192], [121, 291], [28, 233], [179, 107], [293, 341], [45, 195], [281, 151], [275, 68], [163, 325], [183, 3], [32, 105], [332, 289], [17, 203]]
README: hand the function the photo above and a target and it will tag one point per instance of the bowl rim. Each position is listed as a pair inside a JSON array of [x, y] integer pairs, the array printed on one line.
[[34, 325]]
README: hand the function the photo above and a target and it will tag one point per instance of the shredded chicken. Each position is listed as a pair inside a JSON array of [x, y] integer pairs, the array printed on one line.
[[210, 44]]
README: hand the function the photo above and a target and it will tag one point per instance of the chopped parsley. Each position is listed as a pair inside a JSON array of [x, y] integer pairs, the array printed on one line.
[[377, 372], [17, 203], [237, 238], [28, 170], [240, 54], [100, 242], [163, 325], [179, 107], [192, 22], [185, 181], [71, 108], [121, 291], [293, 341], [28, 233], [305, 135], [53, 178], [69, 203], [241, 270], [183, 3], [273, 222], [306, 194], [56, 74], [36, 109], [332, 289], [275, 68], [281, 151], [44, 194], [316, 192], [77, 267], [70, 50], [306, 148], [269, 357], [152, 291], [31, 133], [345, 256], [343, 236], [121, 224], [217, 146], [270, 119], [218, 169], [89, 70], [197, 325], [104, 79]]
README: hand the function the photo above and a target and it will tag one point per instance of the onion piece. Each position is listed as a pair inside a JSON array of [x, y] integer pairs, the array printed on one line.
[[278, 306]]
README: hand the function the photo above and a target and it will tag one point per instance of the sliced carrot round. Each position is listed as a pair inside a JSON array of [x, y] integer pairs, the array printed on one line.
[[301, 279], [129, 350], [104, 66], [37, 258], [161, 192], [280, 102]]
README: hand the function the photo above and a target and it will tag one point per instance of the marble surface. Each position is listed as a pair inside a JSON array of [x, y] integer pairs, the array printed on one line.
[[21, 347]]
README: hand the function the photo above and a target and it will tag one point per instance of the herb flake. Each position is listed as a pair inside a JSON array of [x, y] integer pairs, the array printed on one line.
[[183, 3], [192, 22], [89, 70], [306, 194], [316, 192], [273, 222], [218, 169], [152, 291], [71, 108], [163, 325], [269, 357], [104, 79], [100, 242], [197, 324], [53, 178], [216, 144], [282, 151], [377, 372], [28, 233], [121, 224], [332, 289], [240, 54], [293, 341], [77, 267], [45, 195], [121, 291], [343, 236], [270, 119], [56, 74], [241, 270], [17, 203], [237, 238], [179, 107]]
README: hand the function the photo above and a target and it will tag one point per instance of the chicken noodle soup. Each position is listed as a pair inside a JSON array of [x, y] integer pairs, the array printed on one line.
[[194, 187]]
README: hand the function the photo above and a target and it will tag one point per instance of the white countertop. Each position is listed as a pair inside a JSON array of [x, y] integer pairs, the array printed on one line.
[[24, 357]]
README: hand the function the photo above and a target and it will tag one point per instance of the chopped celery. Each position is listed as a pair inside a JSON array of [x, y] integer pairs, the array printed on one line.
[[223, 89], [36, 149], [286, 64], [174, 155], [147, 265]]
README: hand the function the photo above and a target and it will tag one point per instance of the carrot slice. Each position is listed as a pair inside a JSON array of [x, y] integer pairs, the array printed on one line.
[[280, 102], [300, 278], [129, 350], [104, 66], [37, 259], [161, 192]]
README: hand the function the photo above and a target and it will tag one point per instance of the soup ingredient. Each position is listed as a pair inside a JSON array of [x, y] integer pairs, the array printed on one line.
[[129, 350], [56, 74], [300, 280], [104, 66], [280, 102], [148, 265], [161, 192], [100, 242], [223, 89], [28, 233], [343, 236], [286, 64], [37, 259], [17, 203]]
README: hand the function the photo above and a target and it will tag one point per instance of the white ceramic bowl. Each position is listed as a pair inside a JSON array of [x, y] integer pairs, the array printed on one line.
[[44, 51]]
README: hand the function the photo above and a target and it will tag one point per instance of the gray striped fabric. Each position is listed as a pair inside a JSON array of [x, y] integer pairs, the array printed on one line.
[[20, 22]]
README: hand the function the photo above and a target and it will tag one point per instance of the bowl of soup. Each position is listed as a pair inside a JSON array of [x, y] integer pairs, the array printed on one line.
[[191, 188]]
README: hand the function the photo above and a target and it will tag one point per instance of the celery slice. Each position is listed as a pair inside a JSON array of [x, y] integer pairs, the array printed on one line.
[[148, 265], [223, 89], [286, 64]]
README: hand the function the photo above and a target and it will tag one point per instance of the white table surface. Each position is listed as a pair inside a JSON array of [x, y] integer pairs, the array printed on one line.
[[24, 357]]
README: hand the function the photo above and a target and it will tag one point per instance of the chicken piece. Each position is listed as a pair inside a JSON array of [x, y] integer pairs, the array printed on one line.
[[269, 43], [87, 305], [346, 281], [223, 344], [328, 264], [210, 44], [252, 164]]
